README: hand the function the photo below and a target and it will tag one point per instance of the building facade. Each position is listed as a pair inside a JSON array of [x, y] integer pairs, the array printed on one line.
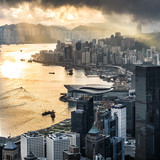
[[72, 154], [32, 142], [120, 110], [96, 143], [56, 144], [10, 151], [147, 112]]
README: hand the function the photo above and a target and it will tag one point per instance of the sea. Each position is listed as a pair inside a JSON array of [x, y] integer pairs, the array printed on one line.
[[27, 89]]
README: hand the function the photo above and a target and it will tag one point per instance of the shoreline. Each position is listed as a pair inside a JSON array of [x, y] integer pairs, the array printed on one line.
[[43, 130]]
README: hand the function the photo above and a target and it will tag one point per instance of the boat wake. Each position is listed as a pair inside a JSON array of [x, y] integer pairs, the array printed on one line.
[[18, 97]]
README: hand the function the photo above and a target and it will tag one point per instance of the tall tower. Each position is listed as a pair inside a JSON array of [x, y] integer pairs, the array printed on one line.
[[78, 125], [147, 121], [139, 29], [120, 110]]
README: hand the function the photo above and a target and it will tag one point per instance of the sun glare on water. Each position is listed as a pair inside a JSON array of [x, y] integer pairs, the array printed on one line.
[[11, 69]]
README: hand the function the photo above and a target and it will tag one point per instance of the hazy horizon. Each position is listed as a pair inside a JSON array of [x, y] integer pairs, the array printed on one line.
[[122, 15]]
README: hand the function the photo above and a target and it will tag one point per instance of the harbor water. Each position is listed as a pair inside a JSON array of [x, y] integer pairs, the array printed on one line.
[[27, 89]]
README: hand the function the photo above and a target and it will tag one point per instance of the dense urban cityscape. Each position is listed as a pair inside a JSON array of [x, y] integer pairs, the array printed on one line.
[[121, 122], [80, 80]]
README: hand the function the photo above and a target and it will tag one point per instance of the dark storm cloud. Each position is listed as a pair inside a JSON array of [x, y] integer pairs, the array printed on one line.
[[140, 9]]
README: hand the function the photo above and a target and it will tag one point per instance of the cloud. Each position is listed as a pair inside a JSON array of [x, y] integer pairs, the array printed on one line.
[[141, 10]]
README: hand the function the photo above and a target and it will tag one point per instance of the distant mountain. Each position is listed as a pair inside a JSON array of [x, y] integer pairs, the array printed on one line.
[[30, 33]]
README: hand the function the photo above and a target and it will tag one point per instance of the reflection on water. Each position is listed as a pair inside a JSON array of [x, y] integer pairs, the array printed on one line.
[[27, 90], [11, 69]]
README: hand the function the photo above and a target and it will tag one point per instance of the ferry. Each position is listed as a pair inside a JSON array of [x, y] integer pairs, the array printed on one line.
[[30, 60], [70, 72], [51, 73], [53, 114], [46, 113]]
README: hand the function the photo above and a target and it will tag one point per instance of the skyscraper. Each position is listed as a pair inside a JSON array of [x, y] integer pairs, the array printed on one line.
[[147, 124], [130, 110], [139, 29], [32, 142], [82, 119], [120, 109], [86, 104], [68, 53], [106, 123], [56, 144], [117, 148], [78, 124], [96, 143]]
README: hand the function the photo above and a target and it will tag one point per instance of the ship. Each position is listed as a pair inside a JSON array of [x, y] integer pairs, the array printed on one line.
[[70, 72], [29, 60], [51, 73], [53, 114], [46, 113]]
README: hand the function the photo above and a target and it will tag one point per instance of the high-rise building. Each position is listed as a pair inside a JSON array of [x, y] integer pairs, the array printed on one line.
[[120, 109], [10, 151], [72, 154], [130, 110], [78, 124], [78, 46], [87, 58], [83, 58], [68, 53], [86, 104], [117, 148], [32, 142], [96, 143], [82, 119], [139, 29], [74, 138], [147, 123], [106, 123], [56, 144]]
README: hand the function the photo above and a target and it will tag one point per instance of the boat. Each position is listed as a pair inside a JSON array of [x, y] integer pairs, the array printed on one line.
[[29, 60], [53, 114], [46, 113], [51, 73], [22, 59], [70, 72]]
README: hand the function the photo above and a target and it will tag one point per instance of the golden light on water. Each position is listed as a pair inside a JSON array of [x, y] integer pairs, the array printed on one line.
[[11, 69]]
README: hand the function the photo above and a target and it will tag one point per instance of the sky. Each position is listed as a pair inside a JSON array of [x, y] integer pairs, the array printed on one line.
[[121, 15]]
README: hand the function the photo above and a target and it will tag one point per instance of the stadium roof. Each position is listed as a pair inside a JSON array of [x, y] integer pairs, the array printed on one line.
[[92, 89]]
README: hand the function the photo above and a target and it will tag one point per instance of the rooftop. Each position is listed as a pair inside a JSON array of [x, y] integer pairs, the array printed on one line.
[[93, 130], [89, 88], [10, 146], [32, 134], [118, 106], [58, 136]]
